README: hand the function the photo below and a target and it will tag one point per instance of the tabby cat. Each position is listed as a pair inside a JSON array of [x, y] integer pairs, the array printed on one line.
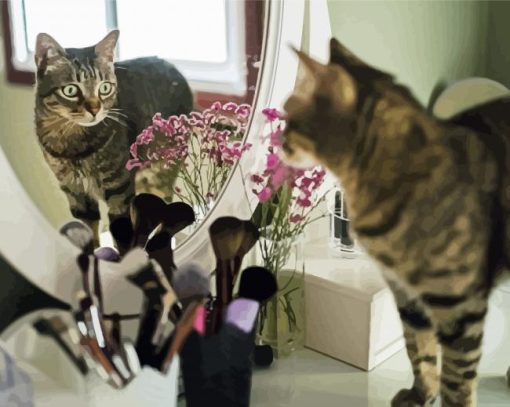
[[89, 110], [428, 199]]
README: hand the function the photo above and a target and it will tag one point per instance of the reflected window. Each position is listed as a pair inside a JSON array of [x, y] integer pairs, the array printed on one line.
[[205, 39]]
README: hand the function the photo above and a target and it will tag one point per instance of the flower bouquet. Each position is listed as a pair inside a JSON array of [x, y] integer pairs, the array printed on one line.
[[192, 154], [286, 198]]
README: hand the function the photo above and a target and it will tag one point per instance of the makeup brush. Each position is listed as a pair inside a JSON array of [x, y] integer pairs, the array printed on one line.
[[168, 299], [55, 328], [257, 283], [94, 339], [122, 233], [159, 248], [251, 236], [191, 283], [80, 235], [158, 300], [83, 261], [177, 216], [146, 211], [227, 235], [183, 328], [107, 254]]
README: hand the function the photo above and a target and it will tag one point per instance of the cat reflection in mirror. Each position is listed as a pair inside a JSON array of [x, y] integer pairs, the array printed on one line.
[[428, 199], [88, 111]]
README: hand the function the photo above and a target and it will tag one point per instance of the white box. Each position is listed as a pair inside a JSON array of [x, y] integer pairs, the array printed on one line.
[[350, 312]]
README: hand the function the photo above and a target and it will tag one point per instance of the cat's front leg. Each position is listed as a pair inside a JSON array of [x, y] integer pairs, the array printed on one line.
[[422, 349], [83, 207], [460, 334], [118, 191]]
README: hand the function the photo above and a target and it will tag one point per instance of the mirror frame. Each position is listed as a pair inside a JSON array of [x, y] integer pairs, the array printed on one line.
[[277, 76], [47, 259]]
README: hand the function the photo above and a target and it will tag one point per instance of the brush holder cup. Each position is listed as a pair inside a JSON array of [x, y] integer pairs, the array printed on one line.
[[214, 376], [148, 388]]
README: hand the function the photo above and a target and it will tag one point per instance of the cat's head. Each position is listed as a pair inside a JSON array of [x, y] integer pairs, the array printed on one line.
[[78, 84], [323, 113]]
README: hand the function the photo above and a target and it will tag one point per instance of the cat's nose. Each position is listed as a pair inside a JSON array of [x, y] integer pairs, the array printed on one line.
[[93, 106]]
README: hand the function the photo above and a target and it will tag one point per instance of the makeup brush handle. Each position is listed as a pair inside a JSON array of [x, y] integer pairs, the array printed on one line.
[[183, 329], [44, 328], [214, 318]]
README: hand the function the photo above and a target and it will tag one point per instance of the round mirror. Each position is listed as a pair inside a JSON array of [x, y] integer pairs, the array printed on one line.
[[106, 100]]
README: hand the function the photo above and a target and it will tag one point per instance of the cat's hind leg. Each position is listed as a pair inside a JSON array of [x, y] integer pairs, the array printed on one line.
[[422, 349]]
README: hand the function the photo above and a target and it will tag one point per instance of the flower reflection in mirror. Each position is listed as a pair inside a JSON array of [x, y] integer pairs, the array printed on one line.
[[194, 153]]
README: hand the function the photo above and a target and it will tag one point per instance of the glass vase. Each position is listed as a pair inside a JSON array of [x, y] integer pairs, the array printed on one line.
[[282, 318]]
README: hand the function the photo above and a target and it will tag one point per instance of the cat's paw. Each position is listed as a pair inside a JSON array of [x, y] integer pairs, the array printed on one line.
[[411, 398]]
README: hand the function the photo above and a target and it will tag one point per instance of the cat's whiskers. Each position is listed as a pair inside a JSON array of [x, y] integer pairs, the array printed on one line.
[[118, 112], [119, 120]]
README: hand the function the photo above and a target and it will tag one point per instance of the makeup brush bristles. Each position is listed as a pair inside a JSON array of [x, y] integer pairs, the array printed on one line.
[[257, 283], [191, 281], [79, 235]]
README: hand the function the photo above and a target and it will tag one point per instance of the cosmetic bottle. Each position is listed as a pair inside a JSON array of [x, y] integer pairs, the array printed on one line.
[[340, 241]]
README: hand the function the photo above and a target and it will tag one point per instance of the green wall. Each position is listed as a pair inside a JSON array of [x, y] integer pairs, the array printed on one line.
[[18, 141], [420, 42]]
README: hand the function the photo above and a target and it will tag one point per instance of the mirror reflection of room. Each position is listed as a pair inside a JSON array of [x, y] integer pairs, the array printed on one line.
[[120, 110]]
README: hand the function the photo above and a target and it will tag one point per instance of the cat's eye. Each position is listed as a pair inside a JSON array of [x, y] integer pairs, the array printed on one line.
[[105, 88], [70, 91]]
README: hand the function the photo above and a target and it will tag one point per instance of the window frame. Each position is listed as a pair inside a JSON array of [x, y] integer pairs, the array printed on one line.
[[205, 92]]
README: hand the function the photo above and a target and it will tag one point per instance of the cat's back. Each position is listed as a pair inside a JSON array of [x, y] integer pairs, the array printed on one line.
[[489, 118], [149, 85]]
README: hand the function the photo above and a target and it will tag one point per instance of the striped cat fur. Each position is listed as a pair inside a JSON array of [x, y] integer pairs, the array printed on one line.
[[89, 110], [428, 199]]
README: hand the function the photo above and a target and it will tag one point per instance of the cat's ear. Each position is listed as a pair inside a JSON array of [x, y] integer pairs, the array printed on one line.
[[105, 49], [46, 48], [311, 64], [340, 55]]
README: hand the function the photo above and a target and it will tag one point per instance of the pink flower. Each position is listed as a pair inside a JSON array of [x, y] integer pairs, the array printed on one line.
[[146, 136], [243, 110], [257, 179], [279, 176], [304, 202], [216, 106], [133, 150], [296, 218], [133, 163], [271, 114], [265, 194], [272, 161], [275, 138], [230, 107]]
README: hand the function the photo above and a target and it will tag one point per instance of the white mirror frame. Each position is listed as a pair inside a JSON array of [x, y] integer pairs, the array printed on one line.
[[47, 259]]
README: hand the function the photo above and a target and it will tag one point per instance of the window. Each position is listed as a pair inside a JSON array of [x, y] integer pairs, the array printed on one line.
[[210, 50]]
